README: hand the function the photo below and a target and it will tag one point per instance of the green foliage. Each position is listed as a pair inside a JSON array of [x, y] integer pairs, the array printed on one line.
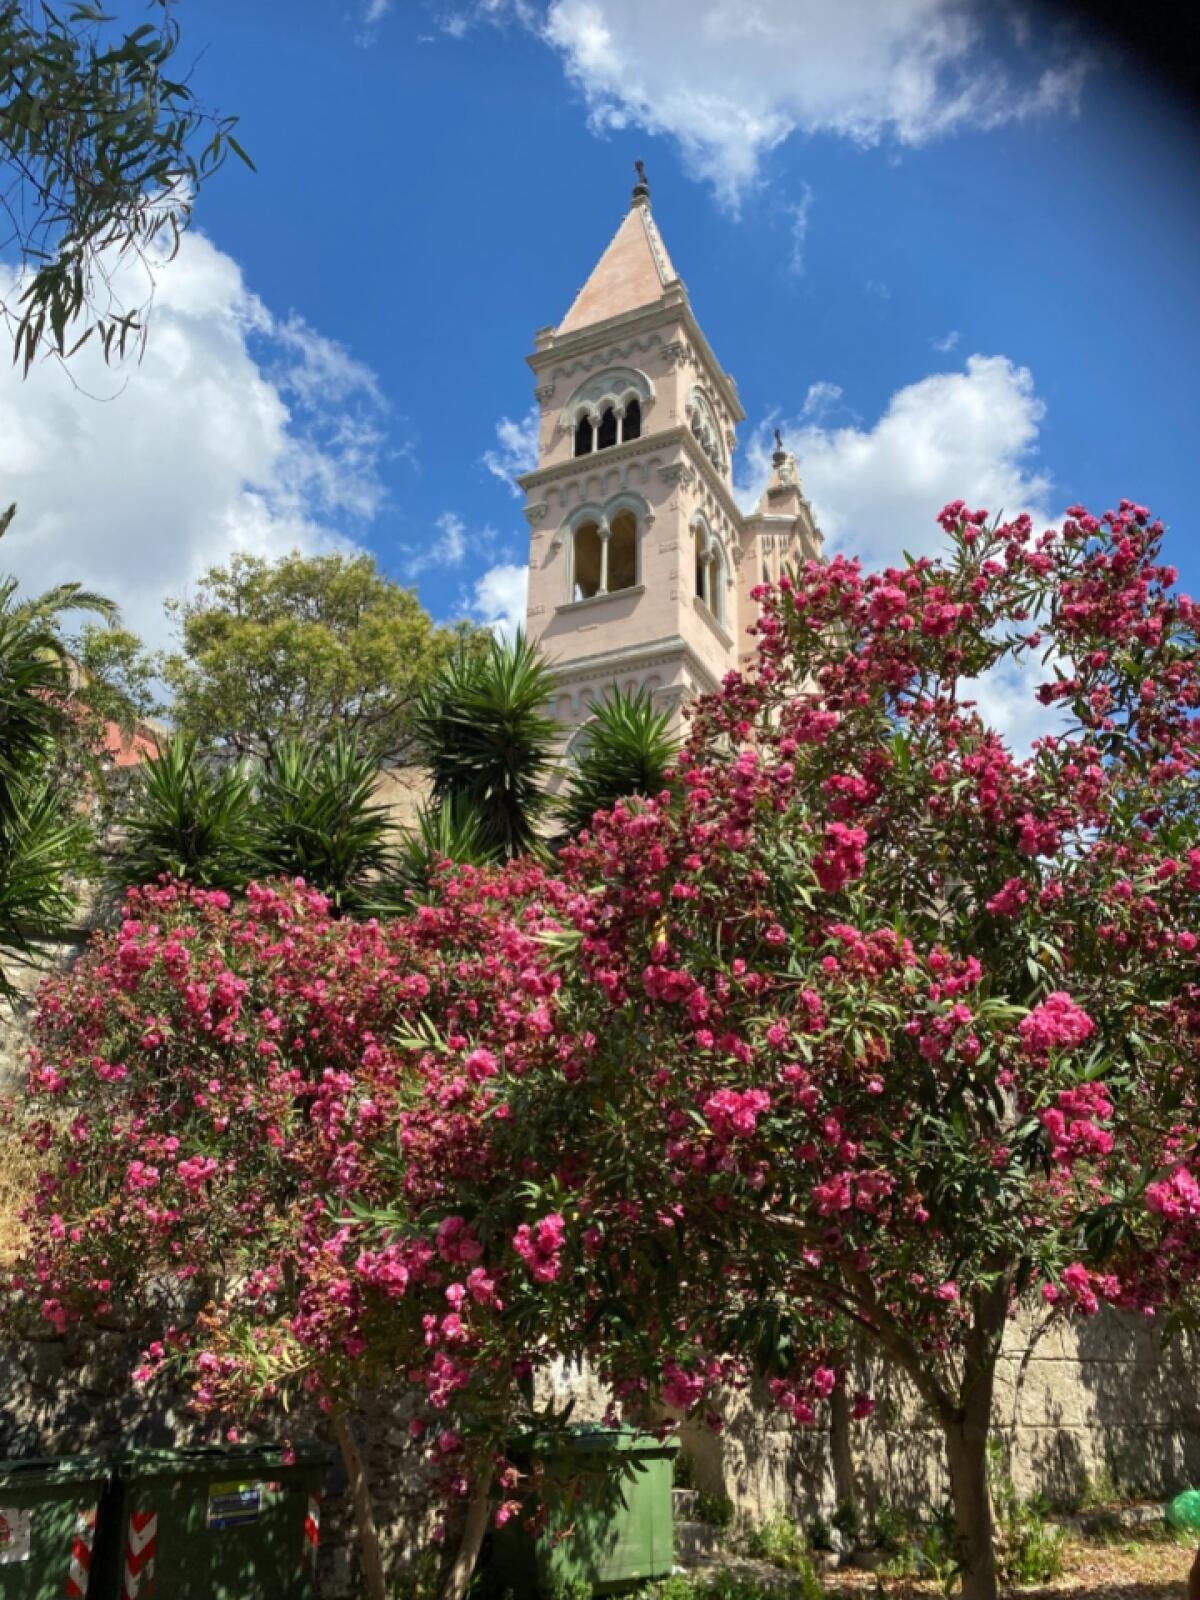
[[684, 1474], [628, 750], [781, 1542], [847, 1520], [571, 1589], [44, 836], [318, 820], [278, 650], [308, 813], [420, 1580], [715, 1509], [732, 1585], [819, 1534], [118, 676], [451, 831], [105, 147], [1027, 1550], [188, 817], [892, 1527], [483, 732], [929, 1554]]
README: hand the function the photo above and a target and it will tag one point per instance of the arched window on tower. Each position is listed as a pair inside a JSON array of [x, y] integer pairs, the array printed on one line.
[[606, 435], [604, 556], [587, 553], [711, 572], [584, 436], [622, 552], [631, 422], [700, 543]]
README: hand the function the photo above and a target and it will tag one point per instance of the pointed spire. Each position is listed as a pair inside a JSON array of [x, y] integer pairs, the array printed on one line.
[[632, 272]]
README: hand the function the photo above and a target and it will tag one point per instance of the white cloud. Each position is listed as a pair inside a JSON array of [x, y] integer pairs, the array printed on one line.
[[876, 490], [499, 598], [947, 342], [236, 431], [516, 449], [447, 550], [732, 79], [799, 212]]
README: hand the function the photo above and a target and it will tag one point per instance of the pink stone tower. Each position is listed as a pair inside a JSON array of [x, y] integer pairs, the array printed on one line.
[[641, 561]]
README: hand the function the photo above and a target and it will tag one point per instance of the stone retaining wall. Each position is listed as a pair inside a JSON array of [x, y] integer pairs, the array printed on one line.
[[1098, 1402]]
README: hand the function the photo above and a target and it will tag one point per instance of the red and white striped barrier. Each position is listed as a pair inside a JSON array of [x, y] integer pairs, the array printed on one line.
[[79, 1574], [312, 1531], [139, 1555]]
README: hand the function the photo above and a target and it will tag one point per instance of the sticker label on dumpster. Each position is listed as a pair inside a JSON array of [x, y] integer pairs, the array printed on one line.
[[234, 1505], [16, 1535]]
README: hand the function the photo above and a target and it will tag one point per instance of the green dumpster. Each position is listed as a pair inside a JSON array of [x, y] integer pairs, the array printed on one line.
[[213, 1524], [609, 1492], [48, 1527]]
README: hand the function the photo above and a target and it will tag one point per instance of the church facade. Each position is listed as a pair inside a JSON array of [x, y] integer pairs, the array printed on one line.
[[641, 561]]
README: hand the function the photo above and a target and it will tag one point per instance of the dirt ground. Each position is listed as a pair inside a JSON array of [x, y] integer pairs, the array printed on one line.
[[1152, 1570]]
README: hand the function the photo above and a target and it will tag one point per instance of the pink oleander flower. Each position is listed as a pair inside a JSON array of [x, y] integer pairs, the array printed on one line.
[[1057, 1024]]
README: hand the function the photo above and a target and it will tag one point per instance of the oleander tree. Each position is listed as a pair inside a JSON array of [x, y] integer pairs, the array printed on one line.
[[297, 1124], [895, 1028]]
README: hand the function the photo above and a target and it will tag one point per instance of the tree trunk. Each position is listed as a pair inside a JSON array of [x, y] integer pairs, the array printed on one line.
[[840, 1455], [966, 1451], [479, 1510], [374, 1587]]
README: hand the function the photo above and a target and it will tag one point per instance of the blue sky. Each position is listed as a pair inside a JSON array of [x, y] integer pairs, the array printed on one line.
[[951, 249]]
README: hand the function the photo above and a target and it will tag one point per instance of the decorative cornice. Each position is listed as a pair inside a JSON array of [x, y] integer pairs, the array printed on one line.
[[630, 657], [648, 444], [535, 512], [544, 393], [555, 351]]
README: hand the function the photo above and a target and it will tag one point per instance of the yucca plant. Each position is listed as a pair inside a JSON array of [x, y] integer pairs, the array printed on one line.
[[187, 817], [319, 821], [43, 830], [483, 732], [628, 750], [451, 831]]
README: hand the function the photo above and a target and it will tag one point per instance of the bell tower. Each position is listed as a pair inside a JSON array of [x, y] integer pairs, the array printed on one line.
[[640, 560]]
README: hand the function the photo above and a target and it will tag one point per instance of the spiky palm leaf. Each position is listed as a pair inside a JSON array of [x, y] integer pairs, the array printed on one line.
[[187, 818], [451, 831], [484, 734], [43, 834], [629, 750], [320, 821]]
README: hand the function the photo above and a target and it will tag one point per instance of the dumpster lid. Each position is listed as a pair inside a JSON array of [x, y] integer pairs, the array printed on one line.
[[214, 1460], [586, 1437], [37, 1470]]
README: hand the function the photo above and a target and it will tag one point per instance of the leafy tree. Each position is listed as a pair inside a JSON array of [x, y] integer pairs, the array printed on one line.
[[272, 651], [188, 817], [628, 750], [483, 732], [895, 1029], [103, 147], [118, 676], [43, 832], [318, 820]]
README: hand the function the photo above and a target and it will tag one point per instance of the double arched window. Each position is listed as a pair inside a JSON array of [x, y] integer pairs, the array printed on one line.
[[603, 554], [607, 409], [711, 569]]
